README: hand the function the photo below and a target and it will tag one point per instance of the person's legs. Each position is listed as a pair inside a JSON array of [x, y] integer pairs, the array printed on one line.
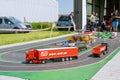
[[111, 27], [115, 25], [74, 27], [95, 27]]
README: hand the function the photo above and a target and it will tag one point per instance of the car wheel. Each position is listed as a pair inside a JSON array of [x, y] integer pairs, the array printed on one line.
[[15, 28]]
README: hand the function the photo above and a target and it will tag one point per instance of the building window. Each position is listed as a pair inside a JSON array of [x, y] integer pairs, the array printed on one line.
[[97, 2], [96, 9], [93, 5], [105, 5], [89, 9], [89, 1], [105, 12], [0, 21]]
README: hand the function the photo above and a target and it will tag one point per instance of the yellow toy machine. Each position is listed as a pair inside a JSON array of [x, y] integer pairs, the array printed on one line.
[[87, 38]]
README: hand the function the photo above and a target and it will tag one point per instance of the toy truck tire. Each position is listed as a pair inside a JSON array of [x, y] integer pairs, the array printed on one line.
[[107, 51], [104, 52], [27, 62], [63, 59], [99, 56], [31, 62], [74, 58], [67, 59], [70, 58], [94, 55], [43, 61]]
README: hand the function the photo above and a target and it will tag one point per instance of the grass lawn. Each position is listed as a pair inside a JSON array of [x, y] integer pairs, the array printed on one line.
[[24, 37]]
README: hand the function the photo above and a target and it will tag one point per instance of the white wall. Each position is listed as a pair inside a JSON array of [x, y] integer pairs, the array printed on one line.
[[33, 10]]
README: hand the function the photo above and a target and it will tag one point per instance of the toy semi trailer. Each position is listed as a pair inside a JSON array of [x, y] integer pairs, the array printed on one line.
[[101, 49], [43, 55]]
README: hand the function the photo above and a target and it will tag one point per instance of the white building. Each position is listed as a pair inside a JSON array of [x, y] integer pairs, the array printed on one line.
[[32, 10]]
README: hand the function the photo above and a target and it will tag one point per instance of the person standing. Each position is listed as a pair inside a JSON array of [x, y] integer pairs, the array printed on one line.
[[96, 22], [115, 20], [110, 21], [92, 21], [72, 20]]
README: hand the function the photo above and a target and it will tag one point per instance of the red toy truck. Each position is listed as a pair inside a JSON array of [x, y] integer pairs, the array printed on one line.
[[101, 49], [42, 55]]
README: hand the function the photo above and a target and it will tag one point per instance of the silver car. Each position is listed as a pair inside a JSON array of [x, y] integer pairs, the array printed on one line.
[[13, 23]]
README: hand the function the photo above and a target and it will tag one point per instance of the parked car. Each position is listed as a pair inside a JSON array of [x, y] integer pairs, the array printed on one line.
[[13, 23], [64, 21]]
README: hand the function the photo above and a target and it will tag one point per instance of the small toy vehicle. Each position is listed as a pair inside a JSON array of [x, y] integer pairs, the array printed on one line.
[[114, 35], [54, 54], [101, 49], [81, 45]]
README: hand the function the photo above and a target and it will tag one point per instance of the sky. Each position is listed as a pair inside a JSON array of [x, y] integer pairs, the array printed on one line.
[[65, 6]]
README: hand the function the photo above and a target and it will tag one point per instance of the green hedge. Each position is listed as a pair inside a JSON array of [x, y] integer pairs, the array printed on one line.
[[41, 25]]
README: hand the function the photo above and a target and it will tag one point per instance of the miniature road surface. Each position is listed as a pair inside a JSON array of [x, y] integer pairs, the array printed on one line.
[[13, 58]]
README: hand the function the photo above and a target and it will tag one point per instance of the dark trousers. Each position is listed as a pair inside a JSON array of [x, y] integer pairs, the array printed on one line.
[[92, 26]]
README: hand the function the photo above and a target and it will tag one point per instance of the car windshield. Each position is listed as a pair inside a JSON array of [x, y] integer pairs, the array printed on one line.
[[64, 18], [14, 20]]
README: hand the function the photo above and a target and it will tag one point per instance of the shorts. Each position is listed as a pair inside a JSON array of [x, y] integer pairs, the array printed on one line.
[[115, 23], [96, 25]]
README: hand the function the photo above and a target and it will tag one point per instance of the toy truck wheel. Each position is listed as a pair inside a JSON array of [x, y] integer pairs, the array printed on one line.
[[104, 52], [31, 62], [75, 57], [70, 58], [67, 59], [63, 59], [107, 51], [43, 61], [99, 56], [95, 55], [27, 62]]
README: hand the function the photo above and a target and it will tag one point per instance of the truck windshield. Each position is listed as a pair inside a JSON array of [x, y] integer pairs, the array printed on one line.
[[64, 18], [14, 20]]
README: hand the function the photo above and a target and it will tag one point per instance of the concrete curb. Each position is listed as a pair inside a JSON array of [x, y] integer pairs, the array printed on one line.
[[2, 77]]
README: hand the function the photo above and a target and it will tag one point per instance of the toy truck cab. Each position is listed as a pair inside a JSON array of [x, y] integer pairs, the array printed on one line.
[[30, 56]]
